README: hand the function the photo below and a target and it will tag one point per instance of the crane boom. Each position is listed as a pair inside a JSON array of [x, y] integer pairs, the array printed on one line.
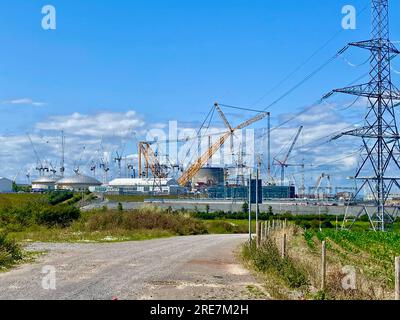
[[151, 159], [293, 144], [283, 164], [202, 160], [228, 125]]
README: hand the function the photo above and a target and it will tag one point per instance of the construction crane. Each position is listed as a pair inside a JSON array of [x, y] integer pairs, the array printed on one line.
[[39, 164], [317, 187], [62, 167], [151, 162], [118, 160], [283, 163], [203, 159]]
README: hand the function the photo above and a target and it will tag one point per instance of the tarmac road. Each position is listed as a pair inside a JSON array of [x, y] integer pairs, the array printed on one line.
[[193, 267]]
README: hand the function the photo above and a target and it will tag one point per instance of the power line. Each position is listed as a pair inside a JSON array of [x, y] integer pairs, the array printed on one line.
[[312, 56]]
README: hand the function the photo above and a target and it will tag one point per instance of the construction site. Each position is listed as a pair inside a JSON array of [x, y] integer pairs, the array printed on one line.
[[197, 193], [227, 162]]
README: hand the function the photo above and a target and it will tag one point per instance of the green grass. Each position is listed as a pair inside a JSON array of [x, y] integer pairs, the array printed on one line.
[[9, 200], [140, 198], [268, 260], [70, 236], [226, 226], [10, 252], [373, 252]]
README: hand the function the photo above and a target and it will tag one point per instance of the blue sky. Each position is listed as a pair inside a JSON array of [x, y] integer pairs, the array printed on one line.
[[169, 60]]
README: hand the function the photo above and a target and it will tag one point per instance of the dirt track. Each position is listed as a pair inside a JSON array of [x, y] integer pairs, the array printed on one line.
[[195, 267]]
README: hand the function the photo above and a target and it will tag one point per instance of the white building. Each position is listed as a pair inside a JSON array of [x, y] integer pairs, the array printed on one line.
[[45, 183], [141, 185], [77, 183], [6, 185]]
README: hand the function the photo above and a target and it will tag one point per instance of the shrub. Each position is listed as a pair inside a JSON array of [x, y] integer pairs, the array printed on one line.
[[149, 219], [245, 207], [60, 215], [10, 252], [57, 197], [268, 259], [120, 207]]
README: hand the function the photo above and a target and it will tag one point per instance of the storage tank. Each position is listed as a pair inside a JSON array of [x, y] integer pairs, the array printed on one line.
[[209, 177]]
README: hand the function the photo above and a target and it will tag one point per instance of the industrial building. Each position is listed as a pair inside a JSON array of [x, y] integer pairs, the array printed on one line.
[[6, 185], [45, 183], [77, 183], [131, 186], [209, 176], [242, 193]]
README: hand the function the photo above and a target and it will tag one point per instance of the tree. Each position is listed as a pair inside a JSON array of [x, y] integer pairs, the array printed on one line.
[[245, 207], [120, 207]]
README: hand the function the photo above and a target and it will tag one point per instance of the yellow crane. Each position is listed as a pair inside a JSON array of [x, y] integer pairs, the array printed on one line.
[[203, 159], [151, 162]]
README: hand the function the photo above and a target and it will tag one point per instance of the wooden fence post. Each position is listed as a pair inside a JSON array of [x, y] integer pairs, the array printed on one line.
[[284, 246], [266, 231], [397, 277], [262, 231], [323, 266]]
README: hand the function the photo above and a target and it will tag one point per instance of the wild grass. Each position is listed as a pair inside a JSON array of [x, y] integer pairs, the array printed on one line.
[[144, 219], [267, 259], [10, 252], [12, 200]]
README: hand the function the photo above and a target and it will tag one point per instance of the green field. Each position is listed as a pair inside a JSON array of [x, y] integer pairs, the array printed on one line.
[[369, 254], [7, 200]]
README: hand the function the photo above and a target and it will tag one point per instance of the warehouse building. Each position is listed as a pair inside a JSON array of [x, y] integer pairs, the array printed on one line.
[[6, 185]]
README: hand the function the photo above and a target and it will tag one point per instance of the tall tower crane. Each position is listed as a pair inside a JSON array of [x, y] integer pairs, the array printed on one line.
[[39, 164], [203, 159], [283, 163]]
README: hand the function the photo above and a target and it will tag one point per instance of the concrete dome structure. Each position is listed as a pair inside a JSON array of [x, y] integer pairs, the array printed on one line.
[[209, 176], [45, 183], [78, 182]]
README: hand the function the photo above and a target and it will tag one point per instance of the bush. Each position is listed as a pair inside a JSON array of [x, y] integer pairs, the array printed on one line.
[[60, 215], [268, 259], [57, 197], [149, 219], [10, 252]]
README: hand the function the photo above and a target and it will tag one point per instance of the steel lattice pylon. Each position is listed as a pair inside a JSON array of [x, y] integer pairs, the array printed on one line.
[[380, 137]]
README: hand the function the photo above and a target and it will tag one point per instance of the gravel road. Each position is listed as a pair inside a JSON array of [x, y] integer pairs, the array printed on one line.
[[194, 267]]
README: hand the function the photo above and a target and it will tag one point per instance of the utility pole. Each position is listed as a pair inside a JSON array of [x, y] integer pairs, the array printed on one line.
[[269, 148], [62, 169], [250, 234], [257, 190], [380, 136]]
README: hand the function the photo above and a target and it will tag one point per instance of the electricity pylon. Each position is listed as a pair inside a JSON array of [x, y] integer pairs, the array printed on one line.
[[380, 137]]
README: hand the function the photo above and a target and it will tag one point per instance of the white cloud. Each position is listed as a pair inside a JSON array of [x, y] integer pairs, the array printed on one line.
[[106, 124], [24, 101]]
